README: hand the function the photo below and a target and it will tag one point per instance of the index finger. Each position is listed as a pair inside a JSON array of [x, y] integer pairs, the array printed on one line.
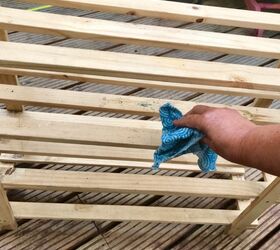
[[199, 110]]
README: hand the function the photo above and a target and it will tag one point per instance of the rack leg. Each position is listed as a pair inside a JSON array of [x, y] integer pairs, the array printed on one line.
[[267, 198], [7, 219]]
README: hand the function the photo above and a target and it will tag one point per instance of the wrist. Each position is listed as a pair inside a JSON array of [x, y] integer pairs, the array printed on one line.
[[246, 146]]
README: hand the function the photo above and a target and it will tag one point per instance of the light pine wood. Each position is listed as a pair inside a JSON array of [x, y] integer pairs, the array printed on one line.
[[7, 219], [234, 170], [264, 102], [242, 204], [6, 167], [244, 91], [9, 79], [61, 59], [257, 207], [24, 210], [92, 152], [79, 129], [268, 177], [129, 33], [177, 11], [113, 103], [75, 181], [113, 142]]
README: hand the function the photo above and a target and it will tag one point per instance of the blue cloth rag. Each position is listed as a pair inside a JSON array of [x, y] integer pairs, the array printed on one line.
[[178, 141]]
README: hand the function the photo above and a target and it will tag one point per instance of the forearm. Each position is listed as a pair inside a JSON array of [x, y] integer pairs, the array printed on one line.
[[261, 149]]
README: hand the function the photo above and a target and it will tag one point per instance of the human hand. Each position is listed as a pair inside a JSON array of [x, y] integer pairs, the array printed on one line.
[[225, 129]]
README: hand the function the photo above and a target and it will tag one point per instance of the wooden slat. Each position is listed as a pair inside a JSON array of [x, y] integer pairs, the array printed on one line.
[[257, 207], [177, 11], [113, 103], [234, 170], [91, 152], [24, 210], [80, 129], [129, 33], [59, 59], [74, 181], [9, 79], [144, 83]]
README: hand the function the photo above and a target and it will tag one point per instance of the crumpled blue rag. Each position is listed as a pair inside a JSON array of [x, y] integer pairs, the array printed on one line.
[[178, 141]]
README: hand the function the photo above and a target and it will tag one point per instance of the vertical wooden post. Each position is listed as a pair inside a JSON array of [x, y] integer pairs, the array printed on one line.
[[263, 103], [267, 198], [268, 177], [9, 79], [7, 219], [243, 204]]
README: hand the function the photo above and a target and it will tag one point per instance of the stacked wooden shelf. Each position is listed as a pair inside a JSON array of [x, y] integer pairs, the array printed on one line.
[[38, 137]]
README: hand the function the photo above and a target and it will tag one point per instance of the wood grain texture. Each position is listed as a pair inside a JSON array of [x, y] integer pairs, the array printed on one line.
[[23, 210], [92, 152], [74, 181], [59, 59], [129, 33], [234, 170], [114, 103], [89, 130], [177, 11], [138, 83]]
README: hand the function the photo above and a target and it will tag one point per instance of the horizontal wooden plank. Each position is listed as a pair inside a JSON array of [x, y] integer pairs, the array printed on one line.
[[144, 83], [114, 103], [74, 181], [61, 59], [234, 170], [177, 11], [79, 129], [129, 33], [29, 210], [90, 151]]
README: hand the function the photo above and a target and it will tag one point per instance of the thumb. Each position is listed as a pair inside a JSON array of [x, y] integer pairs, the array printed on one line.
[[179, 123]]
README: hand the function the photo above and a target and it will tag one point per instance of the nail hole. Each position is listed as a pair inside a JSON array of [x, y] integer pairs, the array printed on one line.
[[200, 20], [132, 13]]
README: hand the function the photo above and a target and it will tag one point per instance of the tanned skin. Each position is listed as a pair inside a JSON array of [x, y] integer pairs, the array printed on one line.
[[235, 138]]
